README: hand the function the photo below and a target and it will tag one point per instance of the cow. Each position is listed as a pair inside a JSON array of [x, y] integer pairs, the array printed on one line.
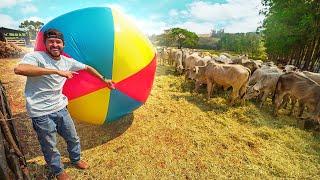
[[303, 89], [162, 55], [258, 62], [225, 75], [268, 63], [313, 76], [289, 68], [191, 61], [257, 74], [251, 64], [179, 61], [264, 87], [199, 62], [204, 53], [239, 59], [172, 55]]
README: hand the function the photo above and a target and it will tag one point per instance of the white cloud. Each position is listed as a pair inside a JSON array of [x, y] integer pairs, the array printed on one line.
[[249, 24], [10, 3], [199, 28], [243, 14], [184, 12], [36, 18], [233, 9], [29, 8], [173, 12], [149, 26], [7, 21]]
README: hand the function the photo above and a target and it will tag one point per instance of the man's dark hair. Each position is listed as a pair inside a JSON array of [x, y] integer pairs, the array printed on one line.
[[52, 33]]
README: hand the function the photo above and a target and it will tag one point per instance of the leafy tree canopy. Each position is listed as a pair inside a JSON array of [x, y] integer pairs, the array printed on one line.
[[178, 37], [32, 27]]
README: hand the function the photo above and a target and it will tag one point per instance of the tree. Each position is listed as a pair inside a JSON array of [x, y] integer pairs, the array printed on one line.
[[250, 43], [178, 37], [32, 27], [291, 32]]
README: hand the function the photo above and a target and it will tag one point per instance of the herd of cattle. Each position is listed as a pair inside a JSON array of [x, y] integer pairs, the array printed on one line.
[[248, 79]]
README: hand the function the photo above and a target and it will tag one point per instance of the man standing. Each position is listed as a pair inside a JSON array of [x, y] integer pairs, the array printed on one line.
[[46, 105]]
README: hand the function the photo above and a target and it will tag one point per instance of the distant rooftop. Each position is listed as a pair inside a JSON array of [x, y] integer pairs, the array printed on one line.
[[204, 35], [6, 30]]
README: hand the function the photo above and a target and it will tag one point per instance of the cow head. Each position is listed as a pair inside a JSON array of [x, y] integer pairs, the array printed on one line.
[[180, 69], [253, 91], [288, 68], [198, 73]]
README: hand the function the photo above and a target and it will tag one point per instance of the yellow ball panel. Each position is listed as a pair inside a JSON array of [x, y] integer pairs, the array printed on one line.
[[132, 50], [91, 108]]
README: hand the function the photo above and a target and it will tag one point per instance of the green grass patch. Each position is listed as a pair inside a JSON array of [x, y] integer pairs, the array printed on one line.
[[178, 134]]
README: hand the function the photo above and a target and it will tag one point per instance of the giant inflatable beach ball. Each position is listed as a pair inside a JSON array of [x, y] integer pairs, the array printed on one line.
[[104, 39]]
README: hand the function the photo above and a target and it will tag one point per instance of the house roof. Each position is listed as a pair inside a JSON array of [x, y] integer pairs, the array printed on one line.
[[8, 30]]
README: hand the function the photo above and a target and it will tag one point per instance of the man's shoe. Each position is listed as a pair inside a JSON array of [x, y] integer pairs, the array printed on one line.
[[82, 164], [63, 176]]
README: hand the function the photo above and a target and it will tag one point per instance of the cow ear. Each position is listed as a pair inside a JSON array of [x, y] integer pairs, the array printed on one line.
[[255, 87]]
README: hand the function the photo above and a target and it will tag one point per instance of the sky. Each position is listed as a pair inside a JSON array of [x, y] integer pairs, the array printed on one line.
[[150, 16]]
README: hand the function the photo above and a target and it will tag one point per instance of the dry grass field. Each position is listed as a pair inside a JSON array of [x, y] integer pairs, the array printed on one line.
[[180, 135]]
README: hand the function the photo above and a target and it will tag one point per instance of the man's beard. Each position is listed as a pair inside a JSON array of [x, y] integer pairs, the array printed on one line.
[[54, 55]]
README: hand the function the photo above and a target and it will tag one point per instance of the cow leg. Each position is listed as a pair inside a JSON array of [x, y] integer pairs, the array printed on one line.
[[234, 95], [186, 75], [243, 90], [277, 103], [210, 86], [263, 98], [293, 103], [252, 81], [301, 109], [259, 97], [285, 101], [197, 85]]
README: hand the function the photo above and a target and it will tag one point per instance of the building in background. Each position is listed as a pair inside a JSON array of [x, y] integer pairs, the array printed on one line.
[[17, 37]]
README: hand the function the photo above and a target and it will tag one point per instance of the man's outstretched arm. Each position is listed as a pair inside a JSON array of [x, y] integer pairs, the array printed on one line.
[[94, 72], [31, 70]]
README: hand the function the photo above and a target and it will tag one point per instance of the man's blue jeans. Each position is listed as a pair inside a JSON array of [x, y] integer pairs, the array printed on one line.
[[47, 127]]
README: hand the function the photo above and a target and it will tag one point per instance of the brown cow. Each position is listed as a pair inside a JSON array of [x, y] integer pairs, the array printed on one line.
[[192, 61], [225, 75], [303, 89]]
